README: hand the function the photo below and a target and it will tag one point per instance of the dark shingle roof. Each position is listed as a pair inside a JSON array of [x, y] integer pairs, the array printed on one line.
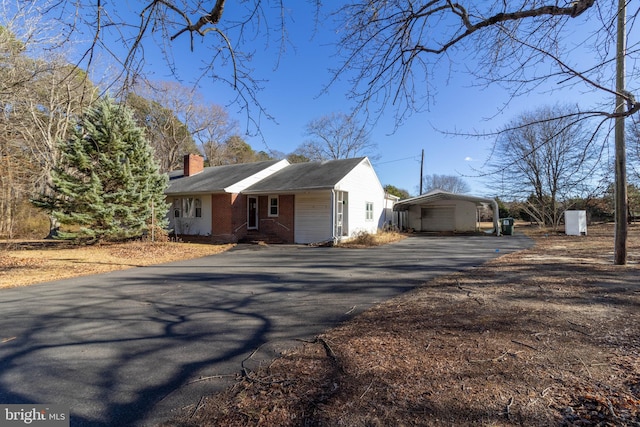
[[306, 176], [214, 179]]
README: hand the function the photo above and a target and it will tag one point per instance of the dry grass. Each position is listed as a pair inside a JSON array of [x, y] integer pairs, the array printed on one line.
[[364, 239], [27, 262], [546, 336]]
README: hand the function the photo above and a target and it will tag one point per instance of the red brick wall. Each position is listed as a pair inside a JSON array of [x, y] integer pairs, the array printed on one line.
[[281, 225], [229, 217], [287, 204], [220, 214], [221, 218], [239, 215]]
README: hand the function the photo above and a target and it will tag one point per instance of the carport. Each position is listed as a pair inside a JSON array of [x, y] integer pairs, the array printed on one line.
[[440, 210]]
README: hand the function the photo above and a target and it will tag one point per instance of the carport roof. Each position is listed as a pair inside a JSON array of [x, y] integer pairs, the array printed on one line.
[[437, 195]]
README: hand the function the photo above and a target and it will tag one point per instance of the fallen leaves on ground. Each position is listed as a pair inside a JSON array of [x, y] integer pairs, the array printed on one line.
[[27, 262], [545, 336]]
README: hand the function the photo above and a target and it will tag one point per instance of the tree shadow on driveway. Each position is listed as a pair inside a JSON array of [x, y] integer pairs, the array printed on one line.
[[126, 347]]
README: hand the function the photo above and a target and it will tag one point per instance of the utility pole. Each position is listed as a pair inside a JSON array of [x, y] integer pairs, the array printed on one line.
[[620, 245], [421, 166]]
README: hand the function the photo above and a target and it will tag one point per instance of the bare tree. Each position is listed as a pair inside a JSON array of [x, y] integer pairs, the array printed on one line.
[[237, 150], [41, 93], [450, 183], [227, 36], [167, 134], [390, 48], [56, 97], [335, 136], [633, 130], [213, 127], [179, 121], [546, 157]]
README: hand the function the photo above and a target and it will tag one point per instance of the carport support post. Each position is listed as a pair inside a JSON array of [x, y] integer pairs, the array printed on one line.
[[496, 216]]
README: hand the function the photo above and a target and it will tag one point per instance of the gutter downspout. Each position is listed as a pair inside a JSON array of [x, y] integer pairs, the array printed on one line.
[[496, 216]]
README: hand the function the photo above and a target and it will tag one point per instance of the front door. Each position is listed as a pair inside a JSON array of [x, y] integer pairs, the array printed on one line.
[[252, 221]]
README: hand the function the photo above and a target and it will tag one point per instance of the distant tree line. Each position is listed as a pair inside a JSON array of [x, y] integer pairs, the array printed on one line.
[[44, 97], [544, 161]]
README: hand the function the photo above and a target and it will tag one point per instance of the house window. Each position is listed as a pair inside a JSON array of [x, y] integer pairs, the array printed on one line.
[[191, 207], [198, 204], [369, 211], [176, 208], [273, 206]]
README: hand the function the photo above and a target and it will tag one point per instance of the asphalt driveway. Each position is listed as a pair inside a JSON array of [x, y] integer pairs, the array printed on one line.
[[124, 348]]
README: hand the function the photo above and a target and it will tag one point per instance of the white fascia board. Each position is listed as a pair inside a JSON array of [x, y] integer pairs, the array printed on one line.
[[240, 186]]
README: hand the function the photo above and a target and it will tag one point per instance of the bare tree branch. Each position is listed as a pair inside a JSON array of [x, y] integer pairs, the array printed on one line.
[[212, 18]]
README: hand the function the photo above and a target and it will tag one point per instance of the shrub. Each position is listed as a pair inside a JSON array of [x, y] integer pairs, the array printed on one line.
[[365, 239]]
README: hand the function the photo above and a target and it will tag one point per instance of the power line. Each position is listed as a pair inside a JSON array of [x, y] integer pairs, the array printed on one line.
[[398, 160]]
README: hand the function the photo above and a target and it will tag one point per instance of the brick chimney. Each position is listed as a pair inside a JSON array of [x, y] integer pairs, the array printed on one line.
[[193, 164]]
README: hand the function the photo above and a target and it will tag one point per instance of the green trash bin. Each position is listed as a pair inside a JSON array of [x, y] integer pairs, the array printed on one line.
[[507, 226]]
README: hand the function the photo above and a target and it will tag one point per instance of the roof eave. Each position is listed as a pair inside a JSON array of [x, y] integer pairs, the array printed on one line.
[[404, 205], [288, 190], [195, 193]]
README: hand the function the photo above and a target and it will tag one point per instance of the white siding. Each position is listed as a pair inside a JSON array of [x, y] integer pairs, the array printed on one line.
[[438, 218], [312, 217], [466, 216], [388, 218], [455, 215], [192, 226], [363, 186], [205, 221]]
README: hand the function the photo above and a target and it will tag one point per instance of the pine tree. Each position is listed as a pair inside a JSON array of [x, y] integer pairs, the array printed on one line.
[[107, 184]]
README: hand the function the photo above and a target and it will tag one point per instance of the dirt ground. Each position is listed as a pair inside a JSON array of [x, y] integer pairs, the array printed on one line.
[[546, 336]]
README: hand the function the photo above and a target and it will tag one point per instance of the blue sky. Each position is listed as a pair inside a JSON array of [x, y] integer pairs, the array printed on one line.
[[293, 96]]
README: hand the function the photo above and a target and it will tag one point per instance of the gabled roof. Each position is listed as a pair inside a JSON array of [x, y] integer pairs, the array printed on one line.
[[216, 179], [436, 195], [306, 176]]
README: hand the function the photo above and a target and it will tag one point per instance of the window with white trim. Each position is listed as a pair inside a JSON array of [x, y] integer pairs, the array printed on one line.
[[177, 208], [198, 208], [187, 207], [369, 211], [274, 206]]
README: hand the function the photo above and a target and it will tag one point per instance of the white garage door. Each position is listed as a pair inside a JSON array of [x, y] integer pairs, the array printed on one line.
[[438, 218], [312, 217]]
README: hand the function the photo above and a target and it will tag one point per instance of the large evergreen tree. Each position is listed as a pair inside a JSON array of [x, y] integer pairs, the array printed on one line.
[[107, 185]]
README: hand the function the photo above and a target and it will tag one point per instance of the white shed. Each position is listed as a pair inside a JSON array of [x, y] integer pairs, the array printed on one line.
[[575, 223]]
